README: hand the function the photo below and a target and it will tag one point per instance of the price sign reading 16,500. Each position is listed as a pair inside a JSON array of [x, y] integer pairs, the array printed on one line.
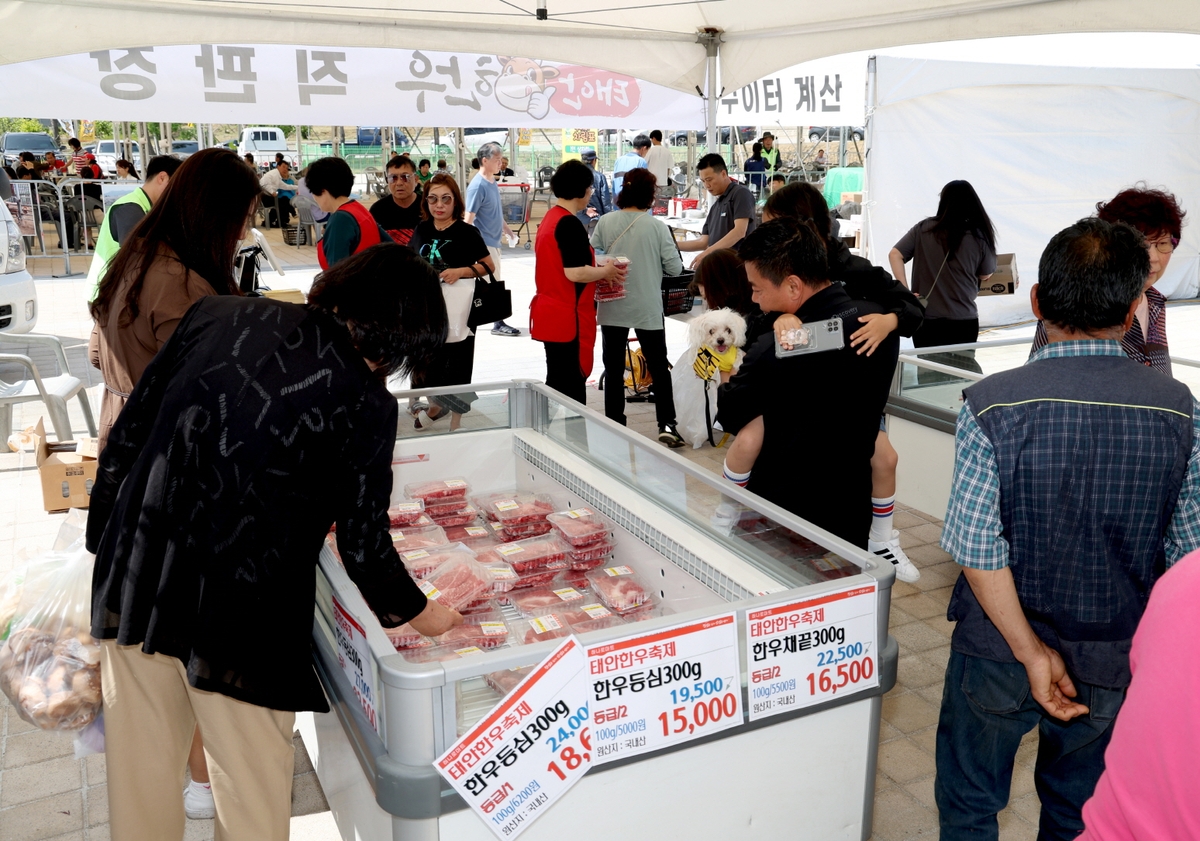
[[828, 682]]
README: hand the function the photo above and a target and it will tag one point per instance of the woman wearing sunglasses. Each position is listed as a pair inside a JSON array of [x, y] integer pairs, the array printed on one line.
[[1159, 218], [458, 254]]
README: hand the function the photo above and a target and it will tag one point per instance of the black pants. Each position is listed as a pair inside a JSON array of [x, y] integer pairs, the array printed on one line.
[[285, 210], [563, 373], [947, 331], [654, 347]]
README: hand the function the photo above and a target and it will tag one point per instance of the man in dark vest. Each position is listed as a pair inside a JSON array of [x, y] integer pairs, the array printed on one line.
[[1076, 484]]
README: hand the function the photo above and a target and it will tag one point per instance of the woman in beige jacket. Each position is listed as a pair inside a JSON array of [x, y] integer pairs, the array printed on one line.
[[181, 251]]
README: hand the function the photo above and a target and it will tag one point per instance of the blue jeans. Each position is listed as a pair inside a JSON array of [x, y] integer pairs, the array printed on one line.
[[986, 708]]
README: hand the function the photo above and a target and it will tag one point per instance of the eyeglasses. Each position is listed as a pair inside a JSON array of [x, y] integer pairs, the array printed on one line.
[[403, 176], [441, 199], [1166, 245]]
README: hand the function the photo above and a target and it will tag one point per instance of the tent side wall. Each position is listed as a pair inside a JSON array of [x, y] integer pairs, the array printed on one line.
[[1039, 155]]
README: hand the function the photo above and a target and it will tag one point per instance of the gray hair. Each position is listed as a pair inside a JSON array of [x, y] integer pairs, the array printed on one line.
[[489, 150]]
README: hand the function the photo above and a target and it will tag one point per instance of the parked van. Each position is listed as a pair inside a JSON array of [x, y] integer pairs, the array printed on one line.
[[18, 295], [263, 142]]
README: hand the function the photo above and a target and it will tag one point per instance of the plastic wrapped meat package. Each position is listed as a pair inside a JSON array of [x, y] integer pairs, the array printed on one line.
[[405, 637], [438, 491], [529, 602], [485, 636], [504, 578], [526, 530], [522, 510], [484, 502], [463, 517], [621, 589], [407, 538], [580, 526], [547, 626], [458, 582], [406, 512], [528, 555], [421, 563], [590, 557], [473, 534], [538, 578], [506, 680]]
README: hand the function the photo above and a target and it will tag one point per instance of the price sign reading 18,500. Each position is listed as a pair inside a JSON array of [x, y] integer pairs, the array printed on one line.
[[803, 653]]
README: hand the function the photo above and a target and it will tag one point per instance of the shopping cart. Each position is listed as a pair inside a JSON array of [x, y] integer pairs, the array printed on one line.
[[516, 202]]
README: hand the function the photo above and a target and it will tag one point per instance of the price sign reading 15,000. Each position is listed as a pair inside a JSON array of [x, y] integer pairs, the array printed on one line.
[[803, 653]]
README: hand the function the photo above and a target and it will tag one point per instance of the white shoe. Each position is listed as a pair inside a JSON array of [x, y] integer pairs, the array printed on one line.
[[198, 803], [891, 551]]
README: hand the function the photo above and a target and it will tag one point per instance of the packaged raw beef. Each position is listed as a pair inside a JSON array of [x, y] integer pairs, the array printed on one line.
[[540, 577], [404, 637], [421, 563], [580, 526], [463, 517], [503, 576], [590, 556], [438, 491], [600, 624], [483, 604], [528, 555], [548, 626], [526, 530], [483, 635], [506, 680], [458, 582], [620, 588], [578, 612], [474, 534], [484, 501], [571, 578], [522, 509], [439, 509], [527, 602], [406, 512], [407, 538]]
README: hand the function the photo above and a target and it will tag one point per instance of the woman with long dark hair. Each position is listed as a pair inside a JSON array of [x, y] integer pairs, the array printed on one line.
[[952, 253], [458, 254]]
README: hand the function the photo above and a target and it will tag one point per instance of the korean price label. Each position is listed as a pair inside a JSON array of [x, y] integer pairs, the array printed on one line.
[[803, 653], [661, 689], [529, 750], [354, 656]]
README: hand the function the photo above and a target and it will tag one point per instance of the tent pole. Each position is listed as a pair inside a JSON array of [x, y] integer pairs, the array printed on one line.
[[867, 239], [386, 135], [711, 39], [460, 158]]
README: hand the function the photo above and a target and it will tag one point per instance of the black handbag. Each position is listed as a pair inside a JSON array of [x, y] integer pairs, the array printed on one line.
[[492, 301]]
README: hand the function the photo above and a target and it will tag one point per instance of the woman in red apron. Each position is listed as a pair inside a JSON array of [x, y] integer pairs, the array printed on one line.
[[562, 315], [350, 227]]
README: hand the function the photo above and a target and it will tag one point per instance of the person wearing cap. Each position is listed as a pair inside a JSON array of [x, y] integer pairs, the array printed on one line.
[[630, 160], [601, 201], [769, 153]]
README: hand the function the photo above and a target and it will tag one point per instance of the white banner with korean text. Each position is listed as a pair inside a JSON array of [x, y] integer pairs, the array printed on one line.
[[265, 84], [825, 92]]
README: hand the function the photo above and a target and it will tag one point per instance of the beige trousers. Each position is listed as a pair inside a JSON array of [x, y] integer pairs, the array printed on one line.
[[150, 712]]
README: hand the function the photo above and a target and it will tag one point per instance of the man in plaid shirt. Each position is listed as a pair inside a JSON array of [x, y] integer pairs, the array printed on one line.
[[1076, 484]]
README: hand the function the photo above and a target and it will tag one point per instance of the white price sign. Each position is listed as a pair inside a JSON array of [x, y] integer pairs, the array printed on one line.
[[661, 689], [354, 656], [803, 653], [529, 750]]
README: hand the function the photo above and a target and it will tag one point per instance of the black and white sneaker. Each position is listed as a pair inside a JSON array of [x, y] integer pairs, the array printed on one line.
[[669, 435], [891, 552]]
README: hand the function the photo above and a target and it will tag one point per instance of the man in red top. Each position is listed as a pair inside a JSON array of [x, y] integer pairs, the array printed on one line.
[[53, 165], [400, 213], [350, 227]]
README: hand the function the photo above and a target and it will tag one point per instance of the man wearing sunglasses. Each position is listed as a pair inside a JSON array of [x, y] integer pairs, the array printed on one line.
[[400, 213]]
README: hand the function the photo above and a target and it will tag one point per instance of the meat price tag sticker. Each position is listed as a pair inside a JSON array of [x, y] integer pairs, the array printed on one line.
[[660, 689], [354, 656], [528, 751], [807, 652]]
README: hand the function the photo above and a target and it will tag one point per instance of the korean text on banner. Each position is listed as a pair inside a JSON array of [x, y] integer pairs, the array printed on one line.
[[527, 752], [803, 653], [354, 656], [664, 688]]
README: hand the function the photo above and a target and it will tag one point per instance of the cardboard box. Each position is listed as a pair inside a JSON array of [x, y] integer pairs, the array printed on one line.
[[67, 475], [291, 296], [855, 197], [1004, 280]]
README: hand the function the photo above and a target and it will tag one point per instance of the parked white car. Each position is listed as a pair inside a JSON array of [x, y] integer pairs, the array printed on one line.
[[18, 295], [263, 142], [107, 157]]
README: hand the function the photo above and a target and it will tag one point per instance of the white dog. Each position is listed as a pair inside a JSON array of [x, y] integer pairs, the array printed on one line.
[[721, 333]]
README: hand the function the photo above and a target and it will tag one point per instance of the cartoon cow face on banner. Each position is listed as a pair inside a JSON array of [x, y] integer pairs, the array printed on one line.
[[522, 86]]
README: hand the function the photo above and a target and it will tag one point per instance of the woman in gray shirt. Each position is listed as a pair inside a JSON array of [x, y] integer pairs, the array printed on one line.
[[651, 250], [952, 253]]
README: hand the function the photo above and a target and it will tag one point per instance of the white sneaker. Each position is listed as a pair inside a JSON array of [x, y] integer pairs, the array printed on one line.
[[198, 802], [891, 551]]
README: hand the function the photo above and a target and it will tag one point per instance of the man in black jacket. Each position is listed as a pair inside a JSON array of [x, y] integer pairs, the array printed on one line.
[[257, 426], [820, 410]]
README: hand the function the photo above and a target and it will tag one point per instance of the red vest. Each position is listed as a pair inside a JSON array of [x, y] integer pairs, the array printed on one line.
[[555, 313], [368, 230]]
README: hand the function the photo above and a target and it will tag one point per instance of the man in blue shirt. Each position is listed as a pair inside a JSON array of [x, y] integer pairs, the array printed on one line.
[[630, 160], [485, 213], [601, 201], [1076, 485]]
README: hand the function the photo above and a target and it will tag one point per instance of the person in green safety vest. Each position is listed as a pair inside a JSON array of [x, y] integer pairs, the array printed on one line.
[[125, 213], [769, 153]]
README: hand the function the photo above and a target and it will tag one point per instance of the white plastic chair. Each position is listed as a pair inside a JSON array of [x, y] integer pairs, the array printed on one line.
[[305, 221], [54, 392]]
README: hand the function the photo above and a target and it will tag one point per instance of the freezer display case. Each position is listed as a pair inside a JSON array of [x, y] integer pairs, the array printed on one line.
[[801, 764]]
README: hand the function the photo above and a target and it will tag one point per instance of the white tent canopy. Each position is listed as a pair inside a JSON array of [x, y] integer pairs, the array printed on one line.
[[653, 40], [1041, 146]]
